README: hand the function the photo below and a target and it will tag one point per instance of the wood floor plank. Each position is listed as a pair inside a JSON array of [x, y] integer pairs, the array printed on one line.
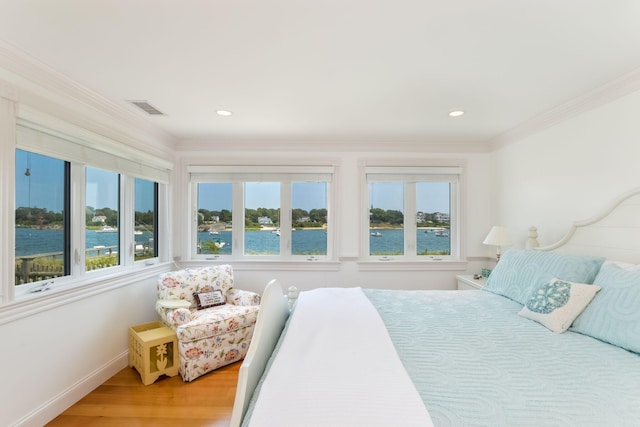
[[124, 401]]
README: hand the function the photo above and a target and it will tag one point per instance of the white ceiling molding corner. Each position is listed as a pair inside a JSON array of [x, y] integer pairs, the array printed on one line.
[[32, 82], [618, 88]]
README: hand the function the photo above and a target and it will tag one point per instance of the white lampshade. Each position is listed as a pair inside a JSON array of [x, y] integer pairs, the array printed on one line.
[[498, 236]]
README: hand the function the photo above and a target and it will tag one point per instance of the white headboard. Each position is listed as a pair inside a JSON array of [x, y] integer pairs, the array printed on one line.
[[613, 234]]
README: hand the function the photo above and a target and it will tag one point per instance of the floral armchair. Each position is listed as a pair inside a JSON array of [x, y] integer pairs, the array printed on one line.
[[213, 321]]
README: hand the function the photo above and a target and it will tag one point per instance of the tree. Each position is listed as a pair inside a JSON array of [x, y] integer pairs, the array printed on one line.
[[297, 214], [318, 215]]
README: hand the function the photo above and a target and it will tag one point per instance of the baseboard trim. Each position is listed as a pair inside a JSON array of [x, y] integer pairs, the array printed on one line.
[[72, 394]]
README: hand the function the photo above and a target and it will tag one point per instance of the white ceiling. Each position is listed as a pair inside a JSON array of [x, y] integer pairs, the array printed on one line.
[[333, 70]]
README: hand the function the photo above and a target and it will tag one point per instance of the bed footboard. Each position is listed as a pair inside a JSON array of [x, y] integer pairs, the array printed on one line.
[[274, 311]]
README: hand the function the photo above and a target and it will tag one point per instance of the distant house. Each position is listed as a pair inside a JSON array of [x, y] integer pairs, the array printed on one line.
[[99, 218], [264, 220], [441, 217]]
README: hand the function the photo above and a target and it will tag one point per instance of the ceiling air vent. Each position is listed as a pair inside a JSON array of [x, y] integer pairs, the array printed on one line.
[[147, 108]]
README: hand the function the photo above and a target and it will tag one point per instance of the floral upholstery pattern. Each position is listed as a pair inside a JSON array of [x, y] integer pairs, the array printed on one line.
[[212, 337]]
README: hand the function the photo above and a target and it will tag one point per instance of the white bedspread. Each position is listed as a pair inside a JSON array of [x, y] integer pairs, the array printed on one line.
[[303, 381]]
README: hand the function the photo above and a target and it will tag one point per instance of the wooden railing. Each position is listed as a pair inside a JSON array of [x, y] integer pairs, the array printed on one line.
[[37, 267]]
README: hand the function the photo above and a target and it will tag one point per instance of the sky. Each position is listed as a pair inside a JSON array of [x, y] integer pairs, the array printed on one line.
[[44, 186], [431, 197], [306, 195]]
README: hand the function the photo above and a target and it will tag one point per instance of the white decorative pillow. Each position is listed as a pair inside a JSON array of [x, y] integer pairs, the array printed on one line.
[[623, 265], [557, 304]]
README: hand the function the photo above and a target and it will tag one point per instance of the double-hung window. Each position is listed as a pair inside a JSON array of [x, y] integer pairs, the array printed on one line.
[[261, 212], [81, 207], [412, 213]]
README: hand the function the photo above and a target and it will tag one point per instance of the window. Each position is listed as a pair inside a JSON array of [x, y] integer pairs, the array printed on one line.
[[309, 214], [102, 212], [262, 212], [214, 218], [79, 209], [145, 219], [412, 213], [261, 218], [41, 218]]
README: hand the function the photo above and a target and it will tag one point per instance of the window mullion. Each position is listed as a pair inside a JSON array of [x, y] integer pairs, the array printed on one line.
[[78, 219], [127, 220], [237, 215], [285, 219], [410, 227]]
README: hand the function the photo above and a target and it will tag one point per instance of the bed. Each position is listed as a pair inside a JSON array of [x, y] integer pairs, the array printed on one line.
[[552, 340]]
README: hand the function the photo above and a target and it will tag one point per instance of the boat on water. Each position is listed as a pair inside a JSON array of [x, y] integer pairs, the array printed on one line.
[[376, 234], [214, 232], [438, 232], [220, 244], [276, 231], [138, 233], [107, 229]]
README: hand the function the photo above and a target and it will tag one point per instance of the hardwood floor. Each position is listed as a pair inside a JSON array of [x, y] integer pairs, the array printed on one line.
[[124, 401]]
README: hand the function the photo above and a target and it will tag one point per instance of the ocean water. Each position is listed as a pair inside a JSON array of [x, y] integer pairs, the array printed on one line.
[[304, 242], [314, 242], [32, 241]]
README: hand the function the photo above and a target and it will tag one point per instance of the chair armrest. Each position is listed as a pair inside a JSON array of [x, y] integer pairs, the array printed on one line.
[[240, 297], [173, 317]]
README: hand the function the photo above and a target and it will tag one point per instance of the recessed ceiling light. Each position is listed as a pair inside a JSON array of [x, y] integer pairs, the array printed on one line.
[[456, 113], [224, 113]]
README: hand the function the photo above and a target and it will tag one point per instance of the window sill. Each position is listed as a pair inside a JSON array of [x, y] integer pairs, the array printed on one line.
[[407, 265], [268, 265], [28, 304]]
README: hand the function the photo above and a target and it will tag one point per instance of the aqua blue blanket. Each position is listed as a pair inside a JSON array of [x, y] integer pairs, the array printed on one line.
[[475, 362]]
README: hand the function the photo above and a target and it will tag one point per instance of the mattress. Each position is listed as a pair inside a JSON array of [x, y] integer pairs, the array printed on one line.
[[475, 362]]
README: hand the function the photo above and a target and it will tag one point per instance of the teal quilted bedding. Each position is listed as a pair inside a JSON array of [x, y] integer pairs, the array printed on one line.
[[475, 362]]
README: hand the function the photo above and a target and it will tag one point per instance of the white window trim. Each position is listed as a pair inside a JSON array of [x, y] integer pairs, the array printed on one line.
[[102, 153], [407, 171], [285, 174]]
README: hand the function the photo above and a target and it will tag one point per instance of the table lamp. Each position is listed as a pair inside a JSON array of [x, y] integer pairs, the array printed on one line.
[[498, 236]]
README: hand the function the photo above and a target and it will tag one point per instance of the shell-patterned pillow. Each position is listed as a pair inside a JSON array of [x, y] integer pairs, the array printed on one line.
[[558, 303]]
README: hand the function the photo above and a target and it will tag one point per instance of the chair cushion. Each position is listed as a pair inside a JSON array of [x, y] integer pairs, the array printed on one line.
[[215, 321], [182, 284]]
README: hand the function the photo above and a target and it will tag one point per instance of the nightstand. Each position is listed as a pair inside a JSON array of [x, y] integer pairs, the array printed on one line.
[[467, 282]]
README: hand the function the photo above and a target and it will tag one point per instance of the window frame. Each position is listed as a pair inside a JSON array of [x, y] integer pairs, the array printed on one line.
[[410, 173], [80, 149], [156, 217], [240, 174]]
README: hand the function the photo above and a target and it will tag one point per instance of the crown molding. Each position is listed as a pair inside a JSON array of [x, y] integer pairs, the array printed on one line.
[[27, 80], [622, 86], [332, 146]]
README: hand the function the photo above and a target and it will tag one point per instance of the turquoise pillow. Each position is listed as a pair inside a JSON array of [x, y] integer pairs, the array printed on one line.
[[519, 272], [614, 314]]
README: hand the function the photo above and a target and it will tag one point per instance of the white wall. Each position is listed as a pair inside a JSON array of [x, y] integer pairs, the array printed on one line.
[[568, 172], [54, 357]]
